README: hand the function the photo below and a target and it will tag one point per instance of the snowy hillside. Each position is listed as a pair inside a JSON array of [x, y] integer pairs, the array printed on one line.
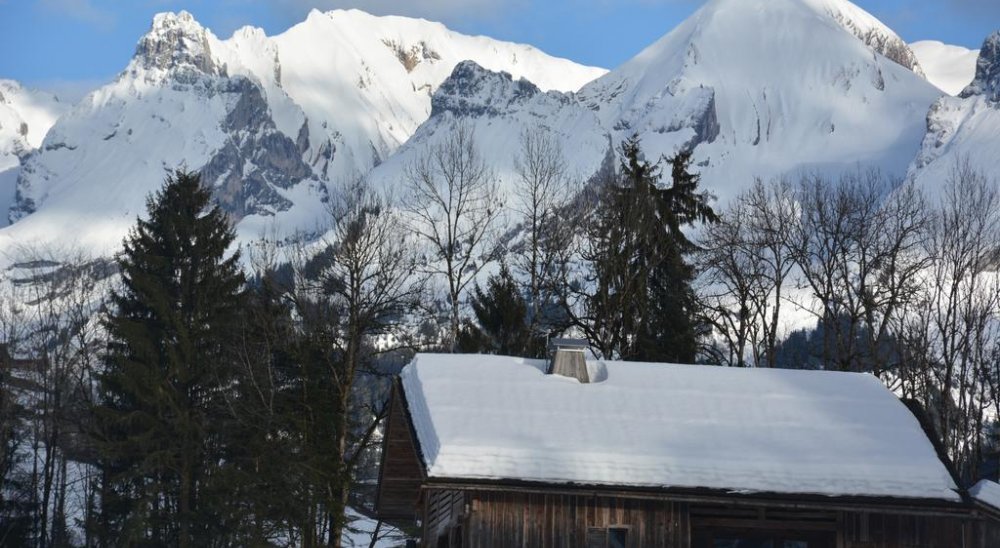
[[950, 68], [269, 121], [964, 128], [756, 87], [499, 109], [25, 117]]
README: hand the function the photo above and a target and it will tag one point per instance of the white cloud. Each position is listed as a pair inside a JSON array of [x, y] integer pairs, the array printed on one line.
[[81, 10]]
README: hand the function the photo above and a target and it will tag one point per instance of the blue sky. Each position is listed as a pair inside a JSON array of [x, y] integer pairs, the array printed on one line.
[[72, 45]]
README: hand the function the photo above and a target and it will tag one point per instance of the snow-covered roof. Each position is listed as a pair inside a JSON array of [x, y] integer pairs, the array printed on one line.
[[986, 492], [670, 426]]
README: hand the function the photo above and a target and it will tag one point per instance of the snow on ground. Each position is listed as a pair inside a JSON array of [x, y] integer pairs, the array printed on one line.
[[948, 67], [677, 426], [360, 529]]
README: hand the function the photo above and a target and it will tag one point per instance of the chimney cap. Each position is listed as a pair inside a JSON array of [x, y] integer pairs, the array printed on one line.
[[567, 344]]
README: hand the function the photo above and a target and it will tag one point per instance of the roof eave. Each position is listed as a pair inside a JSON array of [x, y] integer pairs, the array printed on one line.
[[931, 506]]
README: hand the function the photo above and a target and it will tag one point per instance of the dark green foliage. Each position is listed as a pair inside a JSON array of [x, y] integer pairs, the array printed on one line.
[[643, 306], [168, 373], [673, 330], [501, 320], [16, 500]]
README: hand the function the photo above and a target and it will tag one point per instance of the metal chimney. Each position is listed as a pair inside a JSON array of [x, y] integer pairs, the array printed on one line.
[[567, 357]]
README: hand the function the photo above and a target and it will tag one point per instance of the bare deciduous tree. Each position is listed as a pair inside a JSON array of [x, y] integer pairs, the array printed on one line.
[[52, 299], [731, 291], [542, 189], [455, 207], [858, 251], [949, 332], [747, 259]]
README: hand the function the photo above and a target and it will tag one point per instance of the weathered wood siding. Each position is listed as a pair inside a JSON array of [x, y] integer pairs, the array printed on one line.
[[867, 530], [513, 520], [444, 510], [401, 474], [493, 519], [712, 521], [988, 531]]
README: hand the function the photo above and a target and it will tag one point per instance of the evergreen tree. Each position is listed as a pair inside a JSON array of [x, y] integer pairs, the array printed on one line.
[[502, 323], [642, 305], [163, 408], [672, 331], [16, 498]]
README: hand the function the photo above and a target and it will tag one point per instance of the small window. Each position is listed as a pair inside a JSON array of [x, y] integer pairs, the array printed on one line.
[[612, 537], [617, 537]]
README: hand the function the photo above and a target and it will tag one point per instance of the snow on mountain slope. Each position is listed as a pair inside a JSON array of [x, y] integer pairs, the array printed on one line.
[[867, 28], [755, 87], [950, 68], [173, 105], [25, 117], [499, 109], [771, 86], [964, 128], [268, 121], [371, 78]]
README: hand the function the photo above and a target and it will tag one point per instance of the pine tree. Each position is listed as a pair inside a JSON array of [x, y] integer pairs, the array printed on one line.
[[642, 306], [672, 330], [16, 499], [502, 323], [163, 408]]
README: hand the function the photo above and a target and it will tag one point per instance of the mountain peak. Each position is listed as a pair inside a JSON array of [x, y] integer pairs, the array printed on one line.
[[987, 80], [175, 42], [472, 90]]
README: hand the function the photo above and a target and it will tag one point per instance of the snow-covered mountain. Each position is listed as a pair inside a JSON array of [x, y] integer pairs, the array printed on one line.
[[755, 87], [25, 117], [268, 121], [948, 67], [965, 128]]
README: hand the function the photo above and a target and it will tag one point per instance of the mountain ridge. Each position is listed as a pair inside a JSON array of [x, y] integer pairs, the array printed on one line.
[[270, 122], [755, 88]]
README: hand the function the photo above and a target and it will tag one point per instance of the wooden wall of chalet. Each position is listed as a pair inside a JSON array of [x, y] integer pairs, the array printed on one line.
[[867, 530], [401, 473], [987, 530], [493, 519], [444, 511], [496, 519]]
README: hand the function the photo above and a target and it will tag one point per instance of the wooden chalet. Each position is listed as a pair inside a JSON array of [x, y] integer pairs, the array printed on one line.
[[492, 451]]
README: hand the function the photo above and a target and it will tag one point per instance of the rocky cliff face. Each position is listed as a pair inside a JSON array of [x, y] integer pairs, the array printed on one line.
[[270, 122], [964, 129], [873, 34], [174, 105], [256, 161], [987, 82], [176, 45], [472, 91]]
